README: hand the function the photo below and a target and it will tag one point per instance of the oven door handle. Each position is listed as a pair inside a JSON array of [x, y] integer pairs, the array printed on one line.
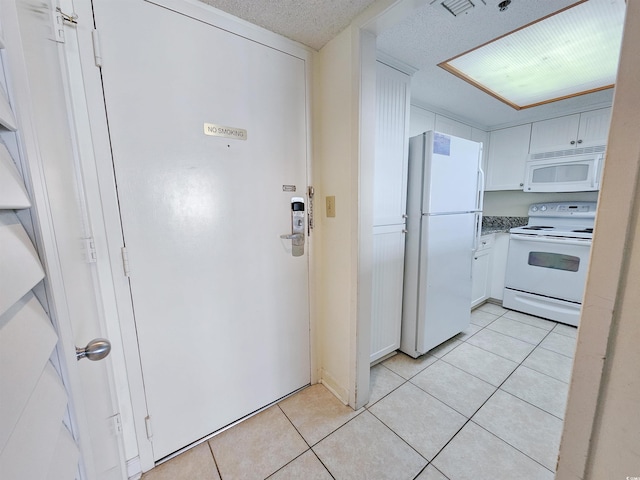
[[557, 240]]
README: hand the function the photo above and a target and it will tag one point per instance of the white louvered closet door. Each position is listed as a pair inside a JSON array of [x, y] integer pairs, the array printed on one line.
[[35, 442]]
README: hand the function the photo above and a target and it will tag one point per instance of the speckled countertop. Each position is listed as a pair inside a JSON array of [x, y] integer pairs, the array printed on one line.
[[501, 224]]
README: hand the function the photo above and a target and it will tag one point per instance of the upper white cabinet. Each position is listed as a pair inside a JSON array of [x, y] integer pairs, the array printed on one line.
[[392, 144], [452, 127], [572, 131], [508, 150], [481, 136], [421, 120]]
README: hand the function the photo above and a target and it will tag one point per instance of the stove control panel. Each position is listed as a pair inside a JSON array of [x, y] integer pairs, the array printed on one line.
[[563, 209]]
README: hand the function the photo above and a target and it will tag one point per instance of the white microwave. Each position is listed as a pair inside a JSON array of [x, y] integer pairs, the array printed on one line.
[[566, 173]]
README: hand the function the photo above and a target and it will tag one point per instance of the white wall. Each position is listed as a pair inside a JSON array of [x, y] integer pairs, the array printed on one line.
[[601, 438], [333, 95]]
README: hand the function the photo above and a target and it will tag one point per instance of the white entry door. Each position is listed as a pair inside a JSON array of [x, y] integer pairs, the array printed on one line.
[[221, 304]]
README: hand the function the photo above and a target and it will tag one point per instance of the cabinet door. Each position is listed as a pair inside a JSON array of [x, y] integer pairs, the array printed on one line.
[[480, 272], [508, 150], [594, 127], [392, 144], [388, 274], [554, 134], [478, 135], [499, 251], [452, 127]]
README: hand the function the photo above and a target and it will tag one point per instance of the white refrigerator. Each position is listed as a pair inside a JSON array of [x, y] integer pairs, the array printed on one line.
[[444, 216]]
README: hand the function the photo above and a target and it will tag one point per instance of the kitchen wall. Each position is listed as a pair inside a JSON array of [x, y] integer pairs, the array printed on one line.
[[515, 203]]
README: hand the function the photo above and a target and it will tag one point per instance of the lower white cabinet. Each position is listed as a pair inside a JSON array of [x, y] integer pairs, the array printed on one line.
[[388, 273], [481, 271], [500, 251]]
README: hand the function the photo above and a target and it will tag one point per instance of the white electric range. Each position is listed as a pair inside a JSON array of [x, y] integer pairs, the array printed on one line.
[[548, 261]]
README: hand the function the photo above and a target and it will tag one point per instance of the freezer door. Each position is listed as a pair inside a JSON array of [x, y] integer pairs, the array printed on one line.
[[444, 286], [451, 174]]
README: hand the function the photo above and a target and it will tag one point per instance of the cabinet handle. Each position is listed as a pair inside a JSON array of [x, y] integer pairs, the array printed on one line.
[[404, 230], [579, 141], [573, 142], [522, 184]]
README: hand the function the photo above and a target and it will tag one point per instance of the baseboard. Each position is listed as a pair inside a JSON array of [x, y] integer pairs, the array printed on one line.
[[334, 387], [383, 358]]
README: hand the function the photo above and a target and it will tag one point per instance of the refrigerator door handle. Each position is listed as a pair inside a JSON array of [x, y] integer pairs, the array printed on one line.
[[476, 237], [480, 189]]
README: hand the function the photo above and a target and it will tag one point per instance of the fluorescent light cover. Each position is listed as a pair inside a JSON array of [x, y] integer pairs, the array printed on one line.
[[567, 54]]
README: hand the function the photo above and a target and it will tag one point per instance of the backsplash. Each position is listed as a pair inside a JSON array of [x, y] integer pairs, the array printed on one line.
[[491, 224]]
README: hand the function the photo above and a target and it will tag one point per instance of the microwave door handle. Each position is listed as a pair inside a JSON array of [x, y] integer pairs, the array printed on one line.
[[596, 173]]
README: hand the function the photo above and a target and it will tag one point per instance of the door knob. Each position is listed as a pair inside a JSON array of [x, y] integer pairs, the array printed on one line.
[[96, 349]]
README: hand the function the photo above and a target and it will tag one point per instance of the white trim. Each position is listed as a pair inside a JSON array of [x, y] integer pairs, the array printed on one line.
[[539, 117], [392, 62], [217, 18], [78, 72], [104, 210], [134, 469]]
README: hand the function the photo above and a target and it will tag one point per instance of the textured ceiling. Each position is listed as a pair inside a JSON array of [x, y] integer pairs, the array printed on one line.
[[426, 37], [311, 22]]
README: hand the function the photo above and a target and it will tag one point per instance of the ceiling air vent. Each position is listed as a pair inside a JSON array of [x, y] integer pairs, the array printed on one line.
[[456, 7]]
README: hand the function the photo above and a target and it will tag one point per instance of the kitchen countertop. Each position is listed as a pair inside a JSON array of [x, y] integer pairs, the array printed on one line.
[[496, 224]]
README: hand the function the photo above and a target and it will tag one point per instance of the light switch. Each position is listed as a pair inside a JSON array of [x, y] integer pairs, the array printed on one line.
[[331, 206]]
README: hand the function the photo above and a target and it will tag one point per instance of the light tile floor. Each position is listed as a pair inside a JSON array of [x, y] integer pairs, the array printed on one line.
[[486, 405]]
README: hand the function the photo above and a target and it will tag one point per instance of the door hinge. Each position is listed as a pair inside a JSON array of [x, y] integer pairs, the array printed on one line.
[[90, 255], [125, 261], [147, 425], [58, 17], [116, 424], [97, 52]]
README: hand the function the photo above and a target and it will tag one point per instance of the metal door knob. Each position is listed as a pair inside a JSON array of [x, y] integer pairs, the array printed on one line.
[[96, 349]]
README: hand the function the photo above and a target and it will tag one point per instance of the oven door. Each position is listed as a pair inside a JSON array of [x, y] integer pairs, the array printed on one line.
[[550, 266]]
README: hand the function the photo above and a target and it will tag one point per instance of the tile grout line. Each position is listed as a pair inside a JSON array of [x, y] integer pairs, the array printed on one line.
[[305, 441], [490, 396], [478, 409], [215, 462]]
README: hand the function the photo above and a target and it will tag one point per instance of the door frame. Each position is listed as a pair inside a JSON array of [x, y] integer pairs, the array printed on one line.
[[115, 290]]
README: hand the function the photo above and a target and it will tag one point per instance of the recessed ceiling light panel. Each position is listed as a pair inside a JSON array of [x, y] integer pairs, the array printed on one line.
[[567, 54]]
